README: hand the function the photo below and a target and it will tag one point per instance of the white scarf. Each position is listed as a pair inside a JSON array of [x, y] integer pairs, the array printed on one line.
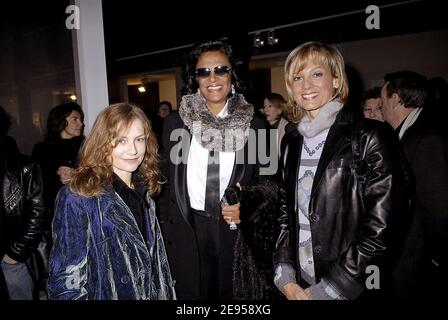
[[410, 119]]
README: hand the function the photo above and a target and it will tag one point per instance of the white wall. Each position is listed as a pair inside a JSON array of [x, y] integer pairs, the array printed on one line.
[[278, 81], [425, 53], [90, 61]]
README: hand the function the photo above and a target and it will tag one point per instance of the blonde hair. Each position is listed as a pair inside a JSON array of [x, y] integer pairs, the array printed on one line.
[[322, 54], [95, 164]]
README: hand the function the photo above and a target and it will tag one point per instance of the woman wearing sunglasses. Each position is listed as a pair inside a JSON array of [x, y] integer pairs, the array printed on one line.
[[207, 155]]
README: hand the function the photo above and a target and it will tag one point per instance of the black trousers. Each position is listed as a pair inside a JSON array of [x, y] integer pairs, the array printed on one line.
[[215, 243]]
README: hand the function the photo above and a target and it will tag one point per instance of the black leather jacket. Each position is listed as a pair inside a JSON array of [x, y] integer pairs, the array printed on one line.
[[348, 233], [23, 214]]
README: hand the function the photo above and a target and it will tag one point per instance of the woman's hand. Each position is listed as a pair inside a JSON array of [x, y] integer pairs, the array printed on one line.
[[65, 173], [308, 293], [8, 260], [293, 291], [231, 213]]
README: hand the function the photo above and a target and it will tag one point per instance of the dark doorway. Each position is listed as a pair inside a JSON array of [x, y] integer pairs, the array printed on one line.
[[148, 100], [260, 86]]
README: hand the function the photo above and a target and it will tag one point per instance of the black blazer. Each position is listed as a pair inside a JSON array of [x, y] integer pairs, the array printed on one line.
[[348, 234], [174, 205], [427, 153]]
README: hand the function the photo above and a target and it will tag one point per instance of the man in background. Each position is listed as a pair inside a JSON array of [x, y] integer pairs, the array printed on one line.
[[421, 272]]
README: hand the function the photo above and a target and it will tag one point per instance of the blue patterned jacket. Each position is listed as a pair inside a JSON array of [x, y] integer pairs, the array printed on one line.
[[99, 252]]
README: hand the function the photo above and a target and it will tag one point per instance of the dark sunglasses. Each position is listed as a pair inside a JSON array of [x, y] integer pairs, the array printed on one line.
[[218, 70]]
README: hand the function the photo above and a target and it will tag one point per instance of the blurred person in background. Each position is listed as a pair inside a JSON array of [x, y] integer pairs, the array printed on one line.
[[371, 104]]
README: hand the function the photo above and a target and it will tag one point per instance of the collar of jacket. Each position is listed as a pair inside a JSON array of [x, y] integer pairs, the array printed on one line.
[[180, 173], [339, 133]]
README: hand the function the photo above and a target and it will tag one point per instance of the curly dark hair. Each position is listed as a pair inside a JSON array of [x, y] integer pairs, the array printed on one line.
[[57, 119], [374, 93], [189, 74]]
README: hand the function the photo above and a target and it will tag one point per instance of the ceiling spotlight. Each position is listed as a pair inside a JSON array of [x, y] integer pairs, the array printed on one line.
[[73, 97], [141, 89], [271, 38], [257, 41]]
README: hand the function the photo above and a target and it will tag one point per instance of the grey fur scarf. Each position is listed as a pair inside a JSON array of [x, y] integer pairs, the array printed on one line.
[[227, 134], [325, 118]]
